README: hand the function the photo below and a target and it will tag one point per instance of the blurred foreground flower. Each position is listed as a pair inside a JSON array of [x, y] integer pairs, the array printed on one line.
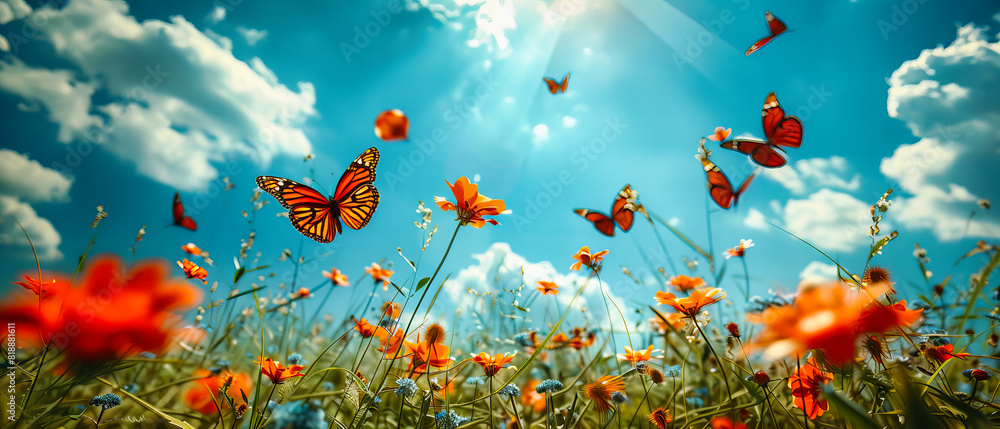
[[685, 283], [199, 397], [110, 313], [336, 277], [379, 275], [471, 205], [548, 288]]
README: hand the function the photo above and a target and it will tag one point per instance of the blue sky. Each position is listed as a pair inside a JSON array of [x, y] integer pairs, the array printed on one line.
[[896, 94]]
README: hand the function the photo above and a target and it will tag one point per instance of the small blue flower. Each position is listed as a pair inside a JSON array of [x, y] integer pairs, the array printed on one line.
[[299, 415], [223, 363], [295, 359], [695, 402], [476, 380], [524, 339], [672, 371], [510, 391], [405, 387], [448, 420], [549, 385], [618, 397], [147, 355], [271, 349], [107, 400], [327, 385], [702, 391], [131, 388]]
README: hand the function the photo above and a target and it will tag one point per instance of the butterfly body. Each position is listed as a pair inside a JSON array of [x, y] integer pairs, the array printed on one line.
[[622, 213], [775, 26], [779, 130], [557, 87], [321, 217], [180, 219]]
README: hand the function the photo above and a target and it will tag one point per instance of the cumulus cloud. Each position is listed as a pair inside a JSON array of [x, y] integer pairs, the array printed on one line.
[[492, 19], [810, 174], [23, 179], [217, 14], [949, 99], [171, 127], [540, 133], [830, 220], [498, 271], [755, 220], [13, 9], [819, 270], [252, 35]]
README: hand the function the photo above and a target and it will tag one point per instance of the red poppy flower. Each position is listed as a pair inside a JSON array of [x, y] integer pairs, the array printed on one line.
[[805, 384], [277, 372], [492, 364], [199, 396]]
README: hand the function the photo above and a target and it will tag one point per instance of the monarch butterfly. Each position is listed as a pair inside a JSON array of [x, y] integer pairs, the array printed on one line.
[[622, 213], [719, 186], [319, 217], [179, 217], [554, 87], [780, 130], [775, 26]]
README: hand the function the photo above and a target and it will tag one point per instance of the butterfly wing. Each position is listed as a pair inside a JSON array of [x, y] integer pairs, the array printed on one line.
[[780, 129], [188, 223], [761, 152], [601, 222], [178, 209], [553, 85], [355, 194], [760, 44], [622, 211], [310, 212], [719, 187], [564, 84], [775, 26]]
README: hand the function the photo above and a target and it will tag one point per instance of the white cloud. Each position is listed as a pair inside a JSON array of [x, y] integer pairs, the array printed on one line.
[[252, 35], [172, 128], [499, 268], [830, 220], [569, 121], [814, 173], [258, 66], [43, 235], [817, 269], [217, 14], [492, 18], [540, 133], [26, 179], [13, 9], [223, 41], [755, 220], [4, 44], [948, 98]]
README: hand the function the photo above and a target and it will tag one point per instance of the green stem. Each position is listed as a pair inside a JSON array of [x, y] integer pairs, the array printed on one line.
[[746, 275], [722, 368]]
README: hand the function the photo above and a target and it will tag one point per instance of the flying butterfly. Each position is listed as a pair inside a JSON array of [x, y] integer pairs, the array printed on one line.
[[319, 217], [719, 186], [557, 87], [779, 130], [180, 218], [775, 26], [622, 213]]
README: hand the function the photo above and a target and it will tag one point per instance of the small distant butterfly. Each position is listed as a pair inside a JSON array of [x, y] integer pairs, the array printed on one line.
[[775, 26], [622, 214], [319, 217], [555, 87], [720, 188], [779, 130], [179, 217]]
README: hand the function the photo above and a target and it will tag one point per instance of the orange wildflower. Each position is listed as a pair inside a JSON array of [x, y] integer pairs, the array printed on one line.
[[691, 305], [547, 288], [34, 285], [824, 317], [558, 341], [738, 251], [337, 277], [366, 329], [110, 312], [492, 364], [805, 384], [277, 372], [424, 353], [600, 391], [193, 271], [389, 344], [191, 249], [577, 342], [943, 353], [585, 259], [530, 396], [380, 275], [685, 283], [472, 205], [720, 134], [674, 320], [304, 292], [392, 310], [720, 422], [638, 356], [199, 396], [661, 418]]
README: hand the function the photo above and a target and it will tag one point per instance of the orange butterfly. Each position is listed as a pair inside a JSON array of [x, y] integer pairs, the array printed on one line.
[[775, 26], [719, 186], [319, 217], [179, 218], [554, 87], [622, 213], [779, 130]]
